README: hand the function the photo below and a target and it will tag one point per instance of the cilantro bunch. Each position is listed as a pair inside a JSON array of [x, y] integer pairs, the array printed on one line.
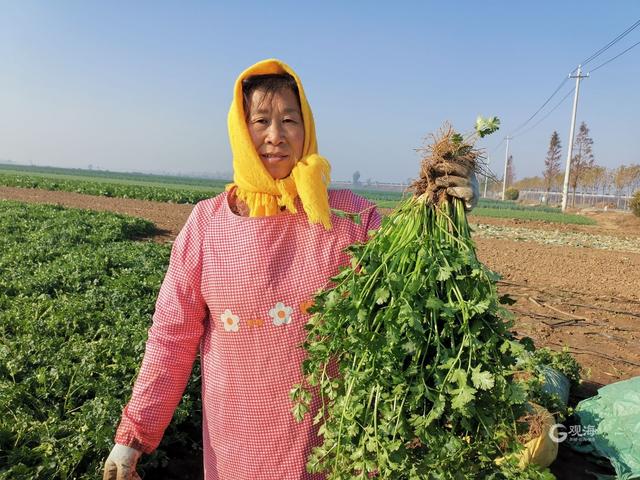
[[422, 346]]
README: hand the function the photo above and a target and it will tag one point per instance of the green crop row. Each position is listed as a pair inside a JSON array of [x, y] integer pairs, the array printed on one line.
[[76, 299], [379, 195], [193, 194], [554, 217], [391, 200], [494, 208], [115, 177], [107, 189], [511, 205]]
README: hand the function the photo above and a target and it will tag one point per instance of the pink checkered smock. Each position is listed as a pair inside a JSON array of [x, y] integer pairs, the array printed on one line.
[[237, 289]]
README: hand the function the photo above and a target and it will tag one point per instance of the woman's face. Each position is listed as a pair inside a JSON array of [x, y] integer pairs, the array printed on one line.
[[276, 128]]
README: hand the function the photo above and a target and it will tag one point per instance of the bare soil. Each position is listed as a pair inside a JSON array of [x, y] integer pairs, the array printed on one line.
[[584, 299]]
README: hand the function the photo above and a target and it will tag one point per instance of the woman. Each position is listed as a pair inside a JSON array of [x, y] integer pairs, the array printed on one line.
[[241, 274]]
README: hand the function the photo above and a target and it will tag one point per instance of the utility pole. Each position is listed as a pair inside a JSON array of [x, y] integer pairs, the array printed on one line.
[[567, 171], [506, 162], [486, 177]]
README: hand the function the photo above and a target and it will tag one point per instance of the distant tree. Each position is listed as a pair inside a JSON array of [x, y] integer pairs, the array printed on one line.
[[594, 177], [511, 194], [607, 181], [356, 178], [627, 178], [619, 178], [635, 178], [552, 162], [494, 187], [558, 180], [634, 204], [511, 171], [529, 183], [582, 160]]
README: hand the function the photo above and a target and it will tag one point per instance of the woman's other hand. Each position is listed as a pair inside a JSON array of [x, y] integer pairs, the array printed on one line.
[[121, 463]]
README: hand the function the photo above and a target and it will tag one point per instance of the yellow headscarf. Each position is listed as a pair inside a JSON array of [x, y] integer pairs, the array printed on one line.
[[309, 178]]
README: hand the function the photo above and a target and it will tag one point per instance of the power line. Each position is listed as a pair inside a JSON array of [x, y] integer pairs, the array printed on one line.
[[547, 115], [610, 44], [541, 107], [497, 146], [486, 168], [613, 58], [584, 62]]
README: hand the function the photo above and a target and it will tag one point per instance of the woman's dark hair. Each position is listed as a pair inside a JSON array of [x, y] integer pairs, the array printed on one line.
[[269, 84]]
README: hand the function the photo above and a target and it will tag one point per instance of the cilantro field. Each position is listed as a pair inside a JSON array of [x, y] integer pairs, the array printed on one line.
[[76, 297]]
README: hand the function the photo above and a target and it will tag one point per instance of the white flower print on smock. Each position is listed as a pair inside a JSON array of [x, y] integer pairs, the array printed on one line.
[[281, 314], [230, 321]]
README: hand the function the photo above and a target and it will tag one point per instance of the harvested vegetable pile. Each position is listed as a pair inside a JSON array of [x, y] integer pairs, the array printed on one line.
[[422, 344]]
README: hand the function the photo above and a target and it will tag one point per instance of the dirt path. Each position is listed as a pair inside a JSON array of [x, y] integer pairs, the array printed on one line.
[[584, 295]]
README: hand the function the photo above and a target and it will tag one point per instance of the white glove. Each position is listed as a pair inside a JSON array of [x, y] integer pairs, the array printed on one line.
[[469, 193], [121, 463], [460, 182]]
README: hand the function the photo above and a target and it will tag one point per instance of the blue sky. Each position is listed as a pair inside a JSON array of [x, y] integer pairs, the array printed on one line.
[[145, 86]]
